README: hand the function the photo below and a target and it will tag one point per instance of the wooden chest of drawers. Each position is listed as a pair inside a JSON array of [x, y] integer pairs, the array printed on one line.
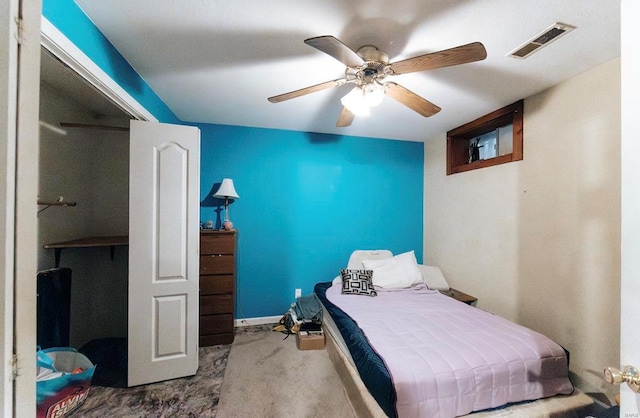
[[217, 286]]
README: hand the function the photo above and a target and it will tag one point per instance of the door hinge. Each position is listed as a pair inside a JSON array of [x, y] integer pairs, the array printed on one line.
[[14, 367], [19, 30]]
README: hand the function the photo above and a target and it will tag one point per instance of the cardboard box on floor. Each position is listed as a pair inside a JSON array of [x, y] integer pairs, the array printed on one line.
[[310, 342]]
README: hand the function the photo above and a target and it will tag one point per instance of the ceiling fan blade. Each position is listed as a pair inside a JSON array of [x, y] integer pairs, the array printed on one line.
[[332, 46], [459, 55], [345, 118], [307, 90], [410, 99]]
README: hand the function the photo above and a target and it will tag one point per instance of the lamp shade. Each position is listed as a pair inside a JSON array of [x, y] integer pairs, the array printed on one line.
[[227, 190]]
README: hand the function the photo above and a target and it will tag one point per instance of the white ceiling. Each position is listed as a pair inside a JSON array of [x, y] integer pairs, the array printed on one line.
[[217, 61]]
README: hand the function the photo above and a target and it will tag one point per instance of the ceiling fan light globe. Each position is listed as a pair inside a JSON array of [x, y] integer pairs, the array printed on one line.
[[356, 102], [359, 110], [374, 94]]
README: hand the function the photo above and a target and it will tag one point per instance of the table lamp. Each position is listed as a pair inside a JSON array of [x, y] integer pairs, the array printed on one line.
[[226, 192]]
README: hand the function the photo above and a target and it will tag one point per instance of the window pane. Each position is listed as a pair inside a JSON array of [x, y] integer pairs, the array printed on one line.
[[505, 140]]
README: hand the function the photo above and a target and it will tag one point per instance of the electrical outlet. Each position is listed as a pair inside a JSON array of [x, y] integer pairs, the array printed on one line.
[[298, 293]]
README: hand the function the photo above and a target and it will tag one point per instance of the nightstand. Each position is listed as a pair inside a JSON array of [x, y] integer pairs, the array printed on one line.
[[462, 297]]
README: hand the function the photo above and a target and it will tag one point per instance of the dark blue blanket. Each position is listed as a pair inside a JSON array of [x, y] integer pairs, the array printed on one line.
[[370, 365]]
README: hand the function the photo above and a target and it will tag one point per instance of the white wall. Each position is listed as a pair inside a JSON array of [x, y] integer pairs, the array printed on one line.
[[538, 241], [91, 168]]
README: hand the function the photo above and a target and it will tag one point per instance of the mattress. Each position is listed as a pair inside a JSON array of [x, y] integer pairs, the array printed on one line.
[[423, 354]]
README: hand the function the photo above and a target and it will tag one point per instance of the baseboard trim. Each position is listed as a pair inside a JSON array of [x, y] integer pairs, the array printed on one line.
[[246, 322]]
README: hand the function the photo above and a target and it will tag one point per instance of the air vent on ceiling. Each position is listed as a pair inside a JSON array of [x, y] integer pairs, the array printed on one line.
[[542, 39]]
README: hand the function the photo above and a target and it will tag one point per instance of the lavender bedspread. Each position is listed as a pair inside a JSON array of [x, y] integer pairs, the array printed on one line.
[[448, 359]]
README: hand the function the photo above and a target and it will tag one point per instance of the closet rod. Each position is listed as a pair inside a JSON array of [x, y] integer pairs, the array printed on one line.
[[48, 204], [55, 203], [81, 125]]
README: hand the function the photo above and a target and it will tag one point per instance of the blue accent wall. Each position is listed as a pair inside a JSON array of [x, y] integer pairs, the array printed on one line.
[[306, 200]]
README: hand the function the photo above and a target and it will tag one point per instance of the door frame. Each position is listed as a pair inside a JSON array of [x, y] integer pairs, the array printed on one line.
[[630, 203], [8, 111], [21, 165], [21, 77]]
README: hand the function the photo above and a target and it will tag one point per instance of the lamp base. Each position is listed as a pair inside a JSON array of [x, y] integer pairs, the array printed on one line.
[[227, 226]]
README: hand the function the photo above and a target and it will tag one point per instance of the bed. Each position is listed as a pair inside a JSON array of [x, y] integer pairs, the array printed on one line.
[[406, 350]]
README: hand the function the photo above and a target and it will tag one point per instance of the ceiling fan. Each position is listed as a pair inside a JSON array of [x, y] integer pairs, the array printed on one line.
[[368, 68]]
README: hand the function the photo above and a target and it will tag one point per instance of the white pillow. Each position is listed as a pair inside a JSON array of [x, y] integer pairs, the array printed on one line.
[[433, 277], [355, 261], [398, 272]]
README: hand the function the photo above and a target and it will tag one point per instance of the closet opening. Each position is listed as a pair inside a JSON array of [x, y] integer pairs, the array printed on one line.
[[83, 221]]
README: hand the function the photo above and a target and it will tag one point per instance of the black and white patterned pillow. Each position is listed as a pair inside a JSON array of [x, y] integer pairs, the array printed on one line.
[[357, 282]]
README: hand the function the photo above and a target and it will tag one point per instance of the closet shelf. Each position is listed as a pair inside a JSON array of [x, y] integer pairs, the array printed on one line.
[[89, 242]]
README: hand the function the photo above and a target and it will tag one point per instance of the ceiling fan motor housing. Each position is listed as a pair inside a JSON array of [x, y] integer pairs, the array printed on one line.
[[374, 65], [371, 53]]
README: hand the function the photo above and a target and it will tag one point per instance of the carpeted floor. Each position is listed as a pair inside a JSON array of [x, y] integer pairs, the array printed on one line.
[[195, 396], [261, 359], [268, 377]]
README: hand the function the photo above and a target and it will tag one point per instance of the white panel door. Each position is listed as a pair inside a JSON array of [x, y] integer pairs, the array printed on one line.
[[164, 212], [630, 246]]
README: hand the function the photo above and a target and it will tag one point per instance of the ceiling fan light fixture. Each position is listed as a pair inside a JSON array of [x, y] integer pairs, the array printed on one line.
[[356, 102], [361, 98], [373, 94]]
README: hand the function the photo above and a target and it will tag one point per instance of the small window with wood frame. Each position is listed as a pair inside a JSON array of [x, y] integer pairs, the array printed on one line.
[[493, 139]]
